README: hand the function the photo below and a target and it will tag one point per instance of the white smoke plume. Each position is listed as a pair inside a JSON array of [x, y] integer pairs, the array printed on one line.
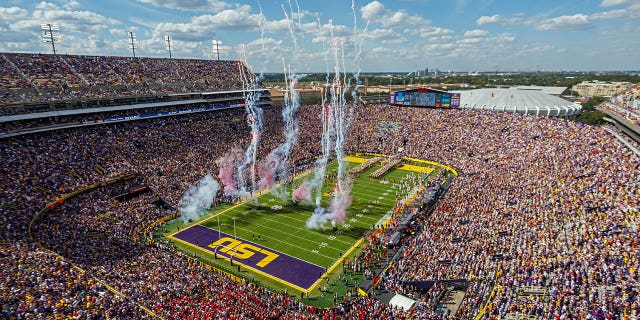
[[199, 198]]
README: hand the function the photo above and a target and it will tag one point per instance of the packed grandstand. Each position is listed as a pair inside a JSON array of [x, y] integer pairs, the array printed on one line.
[[547, 208]]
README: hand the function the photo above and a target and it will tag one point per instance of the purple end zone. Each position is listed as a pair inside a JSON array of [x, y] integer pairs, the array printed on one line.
[[284, 267]]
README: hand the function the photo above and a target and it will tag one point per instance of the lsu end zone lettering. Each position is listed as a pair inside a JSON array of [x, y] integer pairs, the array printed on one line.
[[277, 265], [243, 251]]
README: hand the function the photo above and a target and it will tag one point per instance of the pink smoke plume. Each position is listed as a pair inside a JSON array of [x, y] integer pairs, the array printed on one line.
[[341, 201], [303, 193], [267, 172], [227, 165], [339, 207]]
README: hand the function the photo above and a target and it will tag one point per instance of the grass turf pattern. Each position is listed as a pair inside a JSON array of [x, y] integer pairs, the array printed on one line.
[[281, 226]]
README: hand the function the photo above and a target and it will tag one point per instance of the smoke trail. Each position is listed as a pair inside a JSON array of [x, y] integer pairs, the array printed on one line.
[[326, 119], [276, 166], [357, 57], [226, 174], [198, 199], [265, 56], [255, 121], [320, 215], [336, 118]]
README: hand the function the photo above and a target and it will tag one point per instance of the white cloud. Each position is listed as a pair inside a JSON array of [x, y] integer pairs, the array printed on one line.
[[258, 44], [16, 36], [611, 3], [475, 33], [12, 13], [375, 12], [117, 32], [304, 14], [204, 27], [46, 6], [229, 19], [439, 46], [395, 41], [144, 22], [26, 27], [470, 40], [534, 49], [277, 26], [380, 34], [429, 32], [71, 5], [505, 38], [613, 14], [574, 22], [189, 5], [488, 19], [80, 21], [632, 11], [515, 19]]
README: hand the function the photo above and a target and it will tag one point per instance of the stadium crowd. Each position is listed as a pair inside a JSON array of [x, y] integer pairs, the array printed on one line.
[[561, 217], [626, 105], [542, 219], [28, 78]]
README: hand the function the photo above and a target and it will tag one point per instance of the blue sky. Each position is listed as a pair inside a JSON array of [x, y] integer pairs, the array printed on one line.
[[308, 36]]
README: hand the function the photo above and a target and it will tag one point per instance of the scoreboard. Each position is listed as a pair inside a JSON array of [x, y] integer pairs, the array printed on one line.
[[425, 98]]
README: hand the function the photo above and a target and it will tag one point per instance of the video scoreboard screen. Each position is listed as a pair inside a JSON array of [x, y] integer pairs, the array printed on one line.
[[425, 98]]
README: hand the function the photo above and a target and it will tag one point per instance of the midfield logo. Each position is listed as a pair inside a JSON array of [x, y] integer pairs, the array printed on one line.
[[243, 251]]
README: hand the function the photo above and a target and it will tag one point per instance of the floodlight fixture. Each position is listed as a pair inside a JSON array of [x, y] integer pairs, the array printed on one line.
[[167, 44], [133, 43], [216, 48], [51, 34]]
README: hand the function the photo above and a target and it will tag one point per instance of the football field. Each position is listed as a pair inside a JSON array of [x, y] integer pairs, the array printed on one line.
[[268, 236]]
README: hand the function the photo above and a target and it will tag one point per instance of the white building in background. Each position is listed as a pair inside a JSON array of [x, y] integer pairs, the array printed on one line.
[[533, 102], [601, 88]]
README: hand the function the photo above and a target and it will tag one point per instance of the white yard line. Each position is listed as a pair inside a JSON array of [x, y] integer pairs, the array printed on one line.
[[272, 249], [288, 244]]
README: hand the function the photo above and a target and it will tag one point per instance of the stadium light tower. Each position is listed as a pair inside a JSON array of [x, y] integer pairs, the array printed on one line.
[[133, 43], [216, 47], [167, 44], [51, 34]]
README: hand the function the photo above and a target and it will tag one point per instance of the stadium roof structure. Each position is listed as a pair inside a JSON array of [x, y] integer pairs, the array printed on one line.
[[522, 101], [556, 91]]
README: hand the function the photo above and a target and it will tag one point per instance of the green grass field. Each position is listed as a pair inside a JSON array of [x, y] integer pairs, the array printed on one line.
[[282, 226]]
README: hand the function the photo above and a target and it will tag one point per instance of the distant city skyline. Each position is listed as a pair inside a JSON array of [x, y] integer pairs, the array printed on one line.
[[316, 36]]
